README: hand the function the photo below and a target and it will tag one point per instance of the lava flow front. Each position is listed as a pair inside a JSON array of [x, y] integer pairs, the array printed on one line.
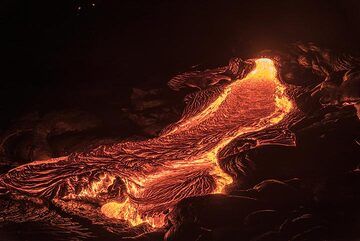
[[138, 181]]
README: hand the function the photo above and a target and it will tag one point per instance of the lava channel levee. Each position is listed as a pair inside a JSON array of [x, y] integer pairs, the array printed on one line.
[[137, 181]]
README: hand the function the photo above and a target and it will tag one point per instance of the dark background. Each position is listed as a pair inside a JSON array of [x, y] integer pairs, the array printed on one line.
[[61, 54]]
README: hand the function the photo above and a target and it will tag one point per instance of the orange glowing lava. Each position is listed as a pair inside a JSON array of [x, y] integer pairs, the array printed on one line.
[[262, 80], [137, 181]]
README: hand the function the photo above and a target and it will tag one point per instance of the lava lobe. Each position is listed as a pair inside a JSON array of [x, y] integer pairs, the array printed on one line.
[[138, 181]]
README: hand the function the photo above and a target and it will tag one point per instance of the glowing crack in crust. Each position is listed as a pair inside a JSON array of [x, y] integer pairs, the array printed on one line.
[[138, 181]]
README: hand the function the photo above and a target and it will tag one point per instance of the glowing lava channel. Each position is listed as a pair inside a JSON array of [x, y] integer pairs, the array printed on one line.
[[138, 181]]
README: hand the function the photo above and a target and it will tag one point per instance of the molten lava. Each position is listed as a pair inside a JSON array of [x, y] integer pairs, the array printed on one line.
[[138, 181]]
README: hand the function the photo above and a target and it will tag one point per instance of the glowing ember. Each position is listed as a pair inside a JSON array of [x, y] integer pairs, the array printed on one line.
[[139, 181]]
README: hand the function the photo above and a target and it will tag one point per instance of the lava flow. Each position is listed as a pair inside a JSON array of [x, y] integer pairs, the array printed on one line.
[[138, 181]]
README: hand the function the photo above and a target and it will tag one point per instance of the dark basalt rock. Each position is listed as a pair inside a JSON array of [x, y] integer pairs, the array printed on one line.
[[29, 137], [318, 233], [263, 220], [295, 225], [269, 236], [340, 190], [182, 232], [213, 210], [277, 193]]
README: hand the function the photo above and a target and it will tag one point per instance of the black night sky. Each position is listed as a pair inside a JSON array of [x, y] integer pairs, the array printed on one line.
[[88, 54]]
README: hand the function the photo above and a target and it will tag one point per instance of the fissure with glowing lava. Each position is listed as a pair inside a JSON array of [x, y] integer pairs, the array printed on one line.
[[150, 176]]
